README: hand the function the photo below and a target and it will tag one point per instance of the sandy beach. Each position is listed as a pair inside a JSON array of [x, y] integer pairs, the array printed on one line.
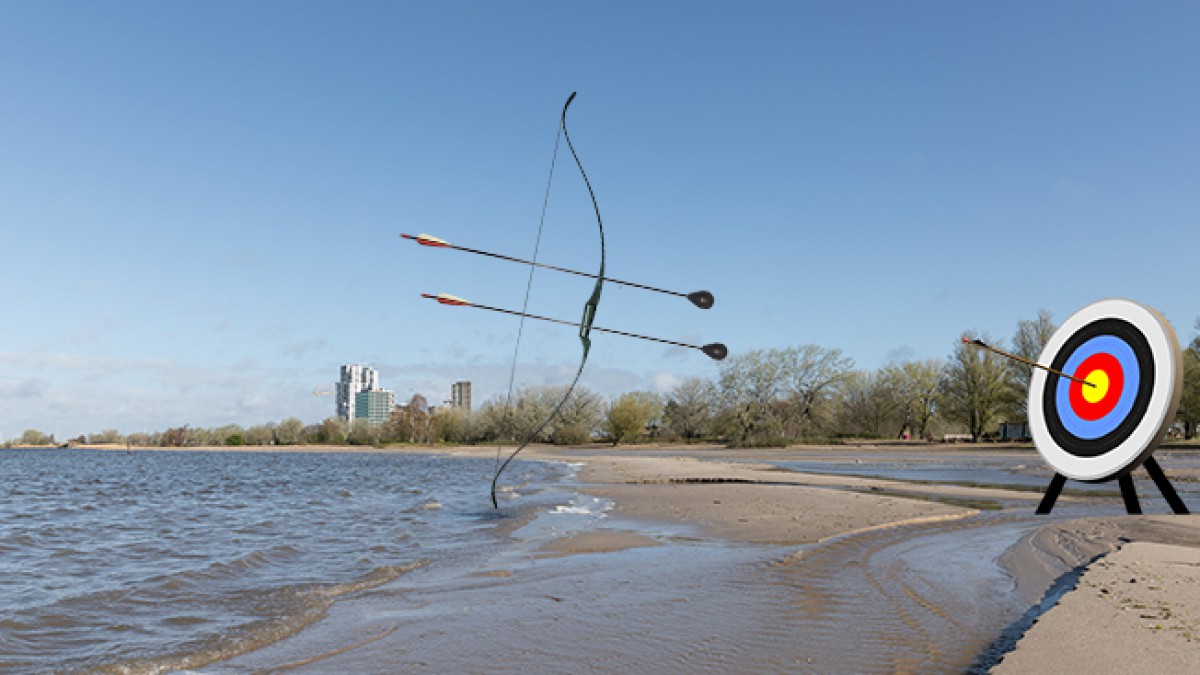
[[842, 559]]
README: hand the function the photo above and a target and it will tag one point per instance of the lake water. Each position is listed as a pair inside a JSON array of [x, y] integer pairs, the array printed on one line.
[[163, 560]]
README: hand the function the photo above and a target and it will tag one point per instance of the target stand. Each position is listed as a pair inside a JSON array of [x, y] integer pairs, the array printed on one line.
[[1107, 421], [1128, 492]]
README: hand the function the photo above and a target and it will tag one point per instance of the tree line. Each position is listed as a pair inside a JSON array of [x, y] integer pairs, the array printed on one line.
[[763, 397]]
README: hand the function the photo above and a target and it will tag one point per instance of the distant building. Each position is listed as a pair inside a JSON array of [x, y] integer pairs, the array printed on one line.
[[374, 405], [354, 378], [460, 395]]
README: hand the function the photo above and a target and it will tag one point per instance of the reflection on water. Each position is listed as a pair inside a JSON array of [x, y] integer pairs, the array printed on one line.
[[178, 558]]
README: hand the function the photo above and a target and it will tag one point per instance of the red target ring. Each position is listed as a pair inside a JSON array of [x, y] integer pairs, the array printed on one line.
[[1104, 371]]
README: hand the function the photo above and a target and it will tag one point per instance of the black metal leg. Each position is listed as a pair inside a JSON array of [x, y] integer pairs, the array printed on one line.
[[1052, 490], [1164, 486], [1130, 494]]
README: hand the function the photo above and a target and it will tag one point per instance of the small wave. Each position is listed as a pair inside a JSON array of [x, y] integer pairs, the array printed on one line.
[[585, 506], [306, 605], [220, 571]]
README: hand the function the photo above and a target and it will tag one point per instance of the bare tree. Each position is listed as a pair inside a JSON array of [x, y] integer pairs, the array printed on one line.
[[690, 408], [750, 383], [869, 404], [810, 375], [578, 419], [918, 384], [1028, 342], [977, 386]]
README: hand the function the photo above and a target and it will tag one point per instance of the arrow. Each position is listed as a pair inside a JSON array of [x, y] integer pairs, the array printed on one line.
[[715, 351], [1001, 352], [701, 299]]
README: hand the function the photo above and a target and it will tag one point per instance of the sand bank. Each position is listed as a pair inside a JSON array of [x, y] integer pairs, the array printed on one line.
[[749, 502], [1136, 609]]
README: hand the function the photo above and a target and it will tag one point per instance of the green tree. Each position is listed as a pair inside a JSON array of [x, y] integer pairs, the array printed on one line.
[[332, 431], [289, 432], [455, 425], [107, 437], [363, 432], [977, 386], [630, 415], [35, 437], [230, 434], [260, 434]]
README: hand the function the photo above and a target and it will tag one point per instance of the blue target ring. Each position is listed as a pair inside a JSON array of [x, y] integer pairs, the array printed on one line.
[[1093, 429]]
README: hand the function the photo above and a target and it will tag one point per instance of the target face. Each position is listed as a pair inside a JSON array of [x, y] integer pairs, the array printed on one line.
[[1126, 363]]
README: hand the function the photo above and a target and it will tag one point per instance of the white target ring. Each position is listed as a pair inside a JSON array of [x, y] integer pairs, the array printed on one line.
[[1105, 430]]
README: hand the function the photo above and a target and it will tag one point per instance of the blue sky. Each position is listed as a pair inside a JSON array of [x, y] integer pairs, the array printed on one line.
[[201, 201]]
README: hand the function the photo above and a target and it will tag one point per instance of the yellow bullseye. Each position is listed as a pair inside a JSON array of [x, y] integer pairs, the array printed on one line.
[[1099, 378]]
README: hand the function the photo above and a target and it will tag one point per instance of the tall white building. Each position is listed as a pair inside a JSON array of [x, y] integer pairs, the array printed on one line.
[[354, 378]]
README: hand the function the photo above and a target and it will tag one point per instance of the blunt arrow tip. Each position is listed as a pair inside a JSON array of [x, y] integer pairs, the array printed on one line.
[[702, 299], [715, 351]]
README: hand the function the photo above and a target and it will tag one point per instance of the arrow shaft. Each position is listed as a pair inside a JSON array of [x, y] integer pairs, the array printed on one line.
[[1035, 364], [554, 267], [572, 323]]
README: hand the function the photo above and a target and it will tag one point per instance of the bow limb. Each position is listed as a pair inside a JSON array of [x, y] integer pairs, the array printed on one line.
[[589, 309]]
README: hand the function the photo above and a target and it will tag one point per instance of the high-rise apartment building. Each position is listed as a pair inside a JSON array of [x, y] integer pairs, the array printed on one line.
[[460, 395], [374, 405], [353, 379]]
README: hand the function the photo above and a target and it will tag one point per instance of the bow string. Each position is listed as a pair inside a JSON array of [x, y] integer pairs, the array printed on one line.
[[589, 307]]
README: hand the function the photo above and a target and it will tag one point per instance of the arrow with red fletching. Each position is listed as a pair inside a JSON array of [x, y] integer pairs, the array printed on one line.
[[715, 351], [701, 299]]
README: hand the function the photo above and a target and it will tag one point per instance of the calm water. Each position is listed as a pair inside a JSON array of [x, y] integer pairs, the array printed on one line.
[[166, 560]]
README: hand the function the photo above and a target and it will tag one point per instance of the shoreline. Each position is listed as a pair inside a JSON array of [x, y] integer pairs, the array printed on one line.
[[750, 500]]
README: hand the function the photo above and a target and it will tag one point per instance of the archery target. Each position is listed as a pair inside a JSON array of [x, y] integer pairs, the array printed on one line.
[[1130, 357]]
